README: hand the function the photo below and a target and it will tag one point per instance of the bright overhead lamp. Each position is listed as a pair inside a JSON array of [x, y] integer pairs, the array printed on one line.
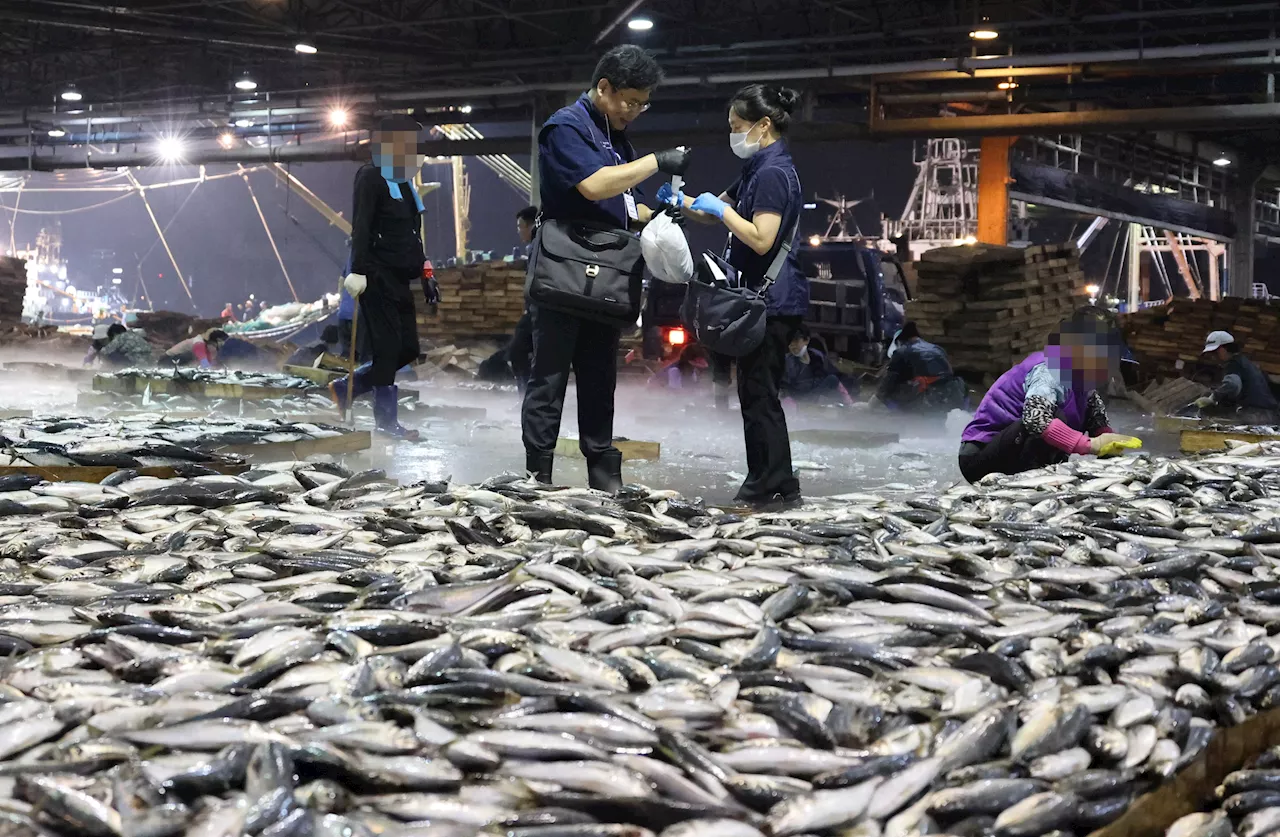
[[1222, 161], [1091, 290], [170, 149], [117, 270], [338, 117], [226, 139], [243, 123], [246, 83], [640, 24], [57, 133], [465, 109], [304, 48], [815, 240], [71, 94], [984, 34], [1010, 84]]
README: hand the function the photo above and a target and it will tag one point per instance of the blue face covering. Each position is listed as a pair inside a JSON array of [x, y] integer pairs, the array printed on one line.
[[395, 176]]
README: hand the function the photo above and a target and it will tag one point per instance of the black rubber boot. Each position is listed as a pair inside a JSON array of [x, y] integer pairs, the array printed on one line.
[[538, 465], [605, 473]]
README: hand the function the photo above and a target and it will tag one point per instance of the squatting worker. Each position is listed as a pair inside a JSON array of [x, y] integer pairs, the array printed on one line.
[[760, 209], [587, 171], [1048, 406], [919, 377], [201, 349], [1244, 394], [386, 255], [126, 347]]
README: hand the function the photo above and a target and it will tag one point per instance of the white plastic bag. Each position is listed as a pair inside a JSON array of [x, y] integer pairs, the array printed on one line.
[[666, 250]]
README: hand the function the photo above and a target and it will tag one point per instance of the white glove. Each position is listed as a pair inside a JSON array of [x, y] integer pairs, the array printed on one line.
[[355, 283]]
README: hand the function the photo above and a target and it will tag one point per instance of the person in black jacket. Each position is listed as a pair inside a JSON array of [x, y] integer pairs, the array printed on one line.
[[919, 377], [1244, 395], [386, 255], [588, 171]]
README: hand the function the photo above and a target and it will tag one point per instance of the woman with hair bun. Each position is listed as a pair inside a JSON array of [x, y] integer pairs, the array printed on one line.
[[761, 211]]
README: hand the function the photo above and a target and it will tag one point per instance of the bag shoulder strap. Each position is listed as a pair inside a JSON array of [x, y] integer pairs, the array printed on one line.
[[785, 250]]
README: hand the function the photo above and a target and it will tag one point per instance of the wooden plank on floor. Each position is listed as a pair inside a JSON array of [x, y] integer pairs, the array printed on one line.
[[98, 473], [844, 438], [317, 376], [1194, 441], [632, 449], [352, 442]]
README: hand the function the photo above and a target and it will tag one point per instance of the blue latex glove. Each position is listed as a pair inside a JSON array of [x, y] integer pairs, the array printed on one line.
[[710, 204], [668, 198], [205, 364]]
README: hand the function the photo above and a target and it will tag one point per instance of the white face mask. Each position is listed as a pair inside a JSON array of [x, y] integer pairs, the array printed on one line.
[[738, 143], [802, 351]]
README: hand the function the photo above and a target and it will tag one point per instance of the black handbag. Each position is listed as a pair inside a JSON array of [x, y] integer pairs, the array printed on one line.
[[591, 271], [724, 315]]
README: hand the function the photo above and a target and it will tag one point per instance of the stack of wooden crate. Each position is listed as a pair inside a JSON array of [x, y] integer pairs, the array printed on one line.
[[13, 287], [1168, 341], [989, 306], [476, 301]]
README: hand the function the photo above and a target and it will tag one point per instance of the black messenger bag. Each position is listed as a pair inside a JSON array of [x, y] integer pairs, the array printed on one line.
[[589, 270], [724, 315]]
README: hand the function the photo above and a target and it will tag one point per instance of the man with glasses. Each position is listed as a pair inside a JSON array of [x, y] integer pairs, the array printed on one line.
[[588, 171]]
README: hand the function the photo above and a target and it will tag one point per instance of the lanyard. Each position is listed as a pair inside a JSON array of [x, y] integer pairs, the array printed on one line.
[[606, 143]]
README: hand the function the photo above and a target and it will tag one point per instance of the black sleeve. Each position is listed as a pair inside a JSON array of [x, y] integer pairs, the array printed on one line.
[[1095, 414], [899, 370], [365, 205]]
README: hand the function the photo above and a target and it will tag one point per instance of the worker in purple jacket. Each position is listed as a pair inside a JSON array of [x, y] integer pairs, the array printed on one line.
[[1048, 406]]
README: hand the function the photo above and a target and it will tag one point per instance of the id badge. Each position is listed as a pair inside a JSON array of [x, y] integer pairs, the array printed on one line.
[[632, 212]]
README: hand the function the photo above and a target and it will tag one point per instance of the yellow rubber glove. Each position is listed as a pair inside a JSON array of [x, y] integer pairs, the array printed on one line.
[[1114, 444]]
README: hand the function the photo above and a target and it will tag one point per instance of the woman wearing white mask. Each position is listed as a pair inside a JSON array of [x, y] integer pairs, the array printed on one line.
[[760, 210]]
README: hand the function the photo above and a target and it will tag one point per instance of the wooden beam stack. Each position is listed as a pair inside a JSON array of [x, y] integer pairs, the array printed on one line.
[[476, 301], [989, 306], [1168, 340], [13, 287]]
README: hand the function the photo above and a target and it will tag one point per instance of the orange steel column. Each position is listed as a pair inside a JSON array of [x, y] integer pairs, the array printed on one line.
[[993, 190]]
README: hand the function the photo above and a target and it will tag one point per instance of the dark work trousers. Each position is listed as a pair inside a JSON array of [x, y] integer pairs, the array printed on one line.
[[1012, 452], [520, 349], [721, 369], [563, 342], [764, 425], [387, 315]]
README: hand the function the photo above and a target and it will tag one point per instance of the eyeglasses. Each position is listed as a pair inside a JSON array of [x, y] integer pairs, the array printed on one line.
[[636, 107]]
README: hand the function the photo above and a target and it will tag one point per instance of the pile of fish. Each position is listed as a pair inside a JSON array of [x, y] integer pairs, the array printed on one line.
[[1248, 803], [305, 651], [242, 377], [143, 441]]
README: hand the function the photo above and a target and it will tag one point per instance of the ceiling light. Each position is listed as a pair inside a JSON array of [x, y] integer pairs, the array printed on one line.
[[640, 24], [338, 117], [1091, 290], [304, 48], [170, 149], [246, 83], [71, 94], [1222, 161], [1008, 85], [57, 132], [244, 123], [226, 139], [984, 34], [815, 240], [465, 109], [117, 270]]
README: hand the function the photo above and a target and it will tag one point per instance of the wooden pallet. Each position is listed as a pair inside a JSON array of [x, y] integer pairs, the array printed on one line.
[[844, 438], [98, 473], [1177, 424], [1194, 441], [632, 449], [350, 442], [195, 389]]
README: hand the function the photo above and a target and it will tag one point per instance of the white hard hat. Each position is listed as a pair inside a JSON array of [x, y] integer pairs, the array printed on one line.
[[1217, 340]]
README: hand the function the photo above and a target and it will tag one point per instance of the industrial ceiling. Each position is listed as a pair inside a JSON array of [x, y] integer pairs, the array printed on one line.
[[147, 69]]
